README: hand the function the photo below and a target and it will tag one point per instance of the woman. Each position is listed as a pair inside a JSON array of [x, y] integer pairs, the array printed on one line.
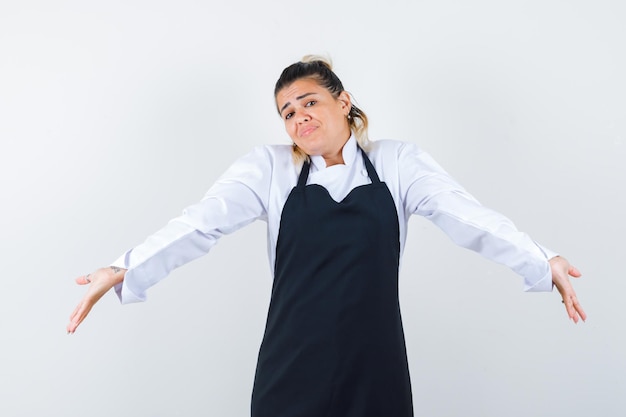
[[337, 209]]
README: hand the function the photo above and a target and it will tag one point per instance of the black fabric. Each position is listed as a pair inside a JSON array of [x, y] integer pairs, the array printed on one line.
[[334, 344]]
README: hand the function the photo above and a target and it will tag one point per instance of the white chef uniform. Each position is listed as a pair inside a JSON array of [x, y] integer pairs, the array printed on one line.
[[257, 185]]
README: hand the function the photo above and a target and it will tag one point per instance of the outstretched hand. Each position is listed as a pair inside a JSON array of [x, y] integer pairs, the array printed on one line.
[[561, 271], [100, 282]]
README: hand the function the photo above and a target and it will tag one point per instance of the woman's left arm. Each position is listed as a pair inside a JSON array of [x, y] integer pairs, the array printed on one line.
[[428, 190]]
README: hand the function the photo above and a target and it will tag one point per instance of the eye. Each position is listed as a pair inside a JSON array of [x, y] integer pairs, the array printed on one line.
[[288, 115], [311, 103]]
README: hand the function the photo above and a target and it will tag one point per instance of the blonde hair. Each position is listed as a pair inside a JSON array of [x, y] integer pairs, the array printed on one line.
[[320, 69]]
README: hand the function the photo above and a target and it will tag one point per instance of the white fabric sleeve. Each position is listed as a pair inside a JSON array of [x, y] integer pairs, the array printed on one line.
[[430, 192], [239, 197]]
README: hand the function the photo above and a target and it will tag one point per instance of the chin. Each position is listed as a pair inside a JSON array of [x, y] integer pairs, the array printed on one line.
[[310, 150]]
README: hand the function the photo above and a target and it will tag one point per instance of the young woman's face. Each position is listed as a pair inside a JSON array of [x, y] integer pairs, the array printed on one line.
[[315, 120]]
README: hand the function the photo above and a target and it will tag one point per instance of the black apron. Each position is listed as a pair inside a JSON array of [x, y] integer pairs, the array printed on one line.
[[333, 343]]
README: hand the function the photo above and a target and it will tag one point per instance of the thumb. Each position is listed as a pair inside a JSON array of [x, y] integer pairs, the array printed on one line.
[[83, 279], [573, 271]]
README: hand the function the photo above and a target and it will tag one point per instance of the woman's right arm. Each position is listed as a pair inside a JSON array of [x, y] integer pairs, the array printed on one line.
[[237, 198]]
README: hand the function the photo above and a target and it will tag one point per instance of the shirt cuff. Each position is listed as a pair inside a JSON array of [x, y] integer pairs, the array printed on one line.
[[124, 294], [543, 285]]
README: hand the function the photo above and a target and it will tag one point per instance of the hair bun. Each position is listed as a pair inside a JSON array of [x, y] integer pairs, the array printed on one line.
[[324, 60]]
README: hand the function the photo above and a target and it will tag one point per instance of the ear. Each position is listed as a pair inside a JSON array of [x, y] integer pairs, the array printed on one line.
[[345, 100]]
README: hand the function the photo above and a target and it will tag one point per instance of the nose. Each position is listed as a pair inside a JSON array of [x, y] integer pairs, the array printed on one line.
[[302, 116]]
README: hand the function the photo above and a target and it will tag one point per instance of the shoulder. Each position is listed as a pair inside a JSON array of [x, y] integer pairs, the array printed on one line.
[[268, 156], [404, 157], [279, 157], [391, 148], [269, 152], [261, 163]]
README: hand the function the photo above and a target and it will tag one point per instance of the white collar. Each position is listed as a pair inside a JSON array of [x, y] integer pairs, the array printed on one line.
[[348, 152]]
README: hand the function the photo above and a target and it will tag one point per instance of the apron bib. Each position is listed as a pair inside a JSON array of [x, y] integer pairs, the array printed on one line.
[[334, 344]]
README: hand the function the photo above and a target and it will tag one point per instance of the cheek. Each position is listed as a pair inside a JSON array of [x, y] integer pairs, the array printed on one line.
[[290, 127]]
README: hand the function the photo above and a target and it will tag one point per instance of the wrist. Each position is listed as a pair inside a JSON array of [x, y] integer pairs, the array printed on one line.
[[116, 273]]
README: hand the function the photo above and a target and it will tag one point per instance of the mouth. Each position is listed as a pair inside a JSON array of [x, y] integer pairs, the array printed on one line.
[[307, 131]]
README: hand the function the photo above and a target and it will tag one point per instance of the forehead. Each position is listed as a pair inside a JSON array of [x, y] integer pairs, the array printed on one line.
[[297, 88]]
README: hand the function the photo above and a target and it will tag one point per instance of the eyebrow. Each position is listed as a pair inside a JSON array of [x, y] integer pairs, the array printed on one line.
[[297, 98]]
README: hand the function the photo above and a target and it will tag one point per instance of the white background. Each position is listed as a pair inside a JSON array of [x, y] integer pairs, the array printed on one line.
[[116, 115]]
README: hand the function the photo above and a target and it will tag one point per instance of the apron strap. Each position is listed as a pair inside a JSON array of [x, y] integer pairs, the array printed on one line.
[[304, 175], [370, 168]]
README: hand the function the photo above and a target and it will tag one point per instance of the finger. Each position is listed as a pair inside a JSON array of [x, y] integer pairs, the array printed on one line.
[[574, 272], [81, 311], [580, 311], [77, 317], [571, 313], [567, 302], [83, 279], [74, 318], [574, 309], [75, 311]]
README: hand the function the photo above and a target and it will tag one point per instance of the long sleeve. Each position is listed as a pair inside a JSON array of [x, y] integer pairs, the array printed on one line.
[[239, 197], [429, 191], [257, 186]]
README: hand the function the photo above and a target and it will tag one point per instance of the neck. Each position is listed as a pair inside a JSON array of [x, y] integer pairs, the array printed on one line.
[[334, 159]]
